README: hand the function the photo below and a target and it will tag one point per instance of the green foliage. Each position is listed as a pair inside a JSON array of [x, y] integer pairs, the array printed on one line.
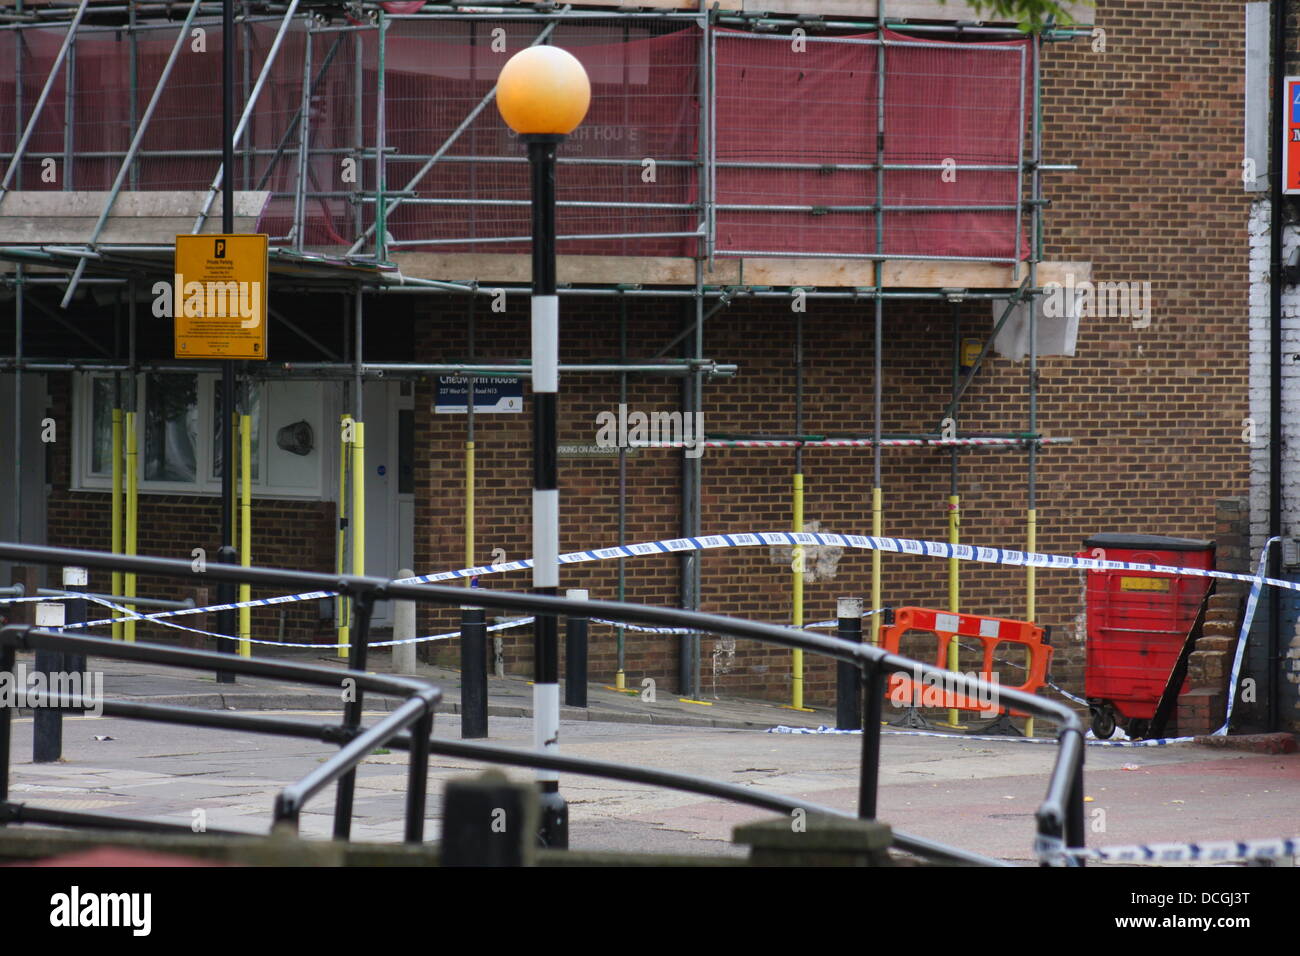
[[1031, 15]]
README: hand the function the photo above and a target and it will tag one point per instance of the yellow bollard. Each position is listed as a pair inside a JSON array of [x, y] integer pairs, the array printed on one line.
[[1031, 544], [796, 595], [358, 520], [132, 514], [341, 609], [954, 537], [245, 529], [877, 526], [116, 533]]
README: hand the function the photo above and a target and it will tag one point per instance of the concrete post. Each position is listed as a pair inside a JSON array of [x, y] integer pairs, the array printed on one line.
[[404, 630], [814, 840], [489, 821]]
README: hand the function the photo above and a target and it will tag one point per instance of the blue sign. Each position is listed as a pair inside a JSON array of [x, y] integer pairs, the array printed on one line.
[[490, 395]]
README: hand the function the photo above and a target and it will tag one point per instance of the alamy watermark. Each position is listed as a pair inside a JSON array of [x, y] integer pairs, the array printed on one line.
[[24, 689], [637, 429], [227, 299], [939, 688], [133, 911], [1101, 300]]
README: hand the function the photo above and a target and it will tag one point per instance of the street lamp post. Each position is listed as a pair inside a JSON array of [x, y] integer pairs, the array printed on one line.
[[543, 94], [226, 622]]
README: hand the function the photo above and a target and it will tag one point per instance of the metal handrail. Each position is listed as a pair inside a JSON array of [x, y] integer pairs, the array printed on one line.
[[1059, 816], [415, 714]]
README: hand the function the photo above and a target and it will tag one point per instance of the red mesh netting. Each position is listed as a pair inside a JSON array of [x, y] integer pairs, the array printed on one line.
[[643, 105], [943, 101], [820, 105]]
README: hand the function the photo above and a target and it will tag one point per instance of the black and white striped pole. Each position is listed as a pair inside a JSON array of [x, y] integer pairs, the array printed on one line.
[[543, 94]]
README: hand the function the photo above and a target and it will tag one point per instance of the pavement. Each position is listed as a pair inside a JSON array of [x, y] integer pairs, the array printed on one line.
[[976, 794], [507, 696]]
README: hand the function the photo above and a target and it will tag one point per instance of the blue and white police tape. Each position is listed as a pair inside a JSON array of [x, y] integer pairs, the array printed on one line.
[[1247, 619], [160, 616], [937, 549], [128, 615], [1217, 851], [1090, 741], [517, 622]]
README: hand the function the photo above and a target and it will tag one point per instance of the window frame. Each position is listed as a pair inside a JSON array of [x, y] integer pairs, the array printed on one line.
[[204, 486]]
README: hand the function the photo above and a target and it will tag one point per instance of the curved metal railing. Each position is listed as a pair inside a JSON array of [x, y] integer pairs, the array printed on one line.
[[1059, 816]]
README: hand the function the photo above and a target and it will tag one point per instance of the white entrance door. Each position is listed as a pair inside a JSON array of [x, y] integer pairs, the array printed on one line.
[[390, 508]]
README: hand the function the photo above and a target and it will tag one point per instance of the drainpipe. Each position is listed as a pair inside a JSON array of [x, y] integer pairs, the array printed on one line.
[[1275, 359]]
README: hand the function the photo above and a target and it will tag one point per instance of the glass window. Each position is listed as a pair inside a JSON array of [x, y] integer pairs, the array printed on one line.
[[179, 434], [255, 411], [171, 425], [101, 414]]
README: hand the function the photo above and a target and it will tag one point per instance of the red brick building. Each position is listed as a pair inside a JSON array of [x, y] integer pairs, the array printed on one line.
[[1152, 396]]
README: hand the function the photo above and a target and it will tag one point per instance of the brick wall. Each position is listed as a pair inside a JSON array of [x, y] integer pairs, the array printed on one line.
[[1155, 412]]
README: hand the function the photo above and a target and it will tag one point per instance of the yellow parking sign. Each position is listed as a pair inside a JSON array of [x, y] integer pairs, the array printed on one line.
[[219, 296]]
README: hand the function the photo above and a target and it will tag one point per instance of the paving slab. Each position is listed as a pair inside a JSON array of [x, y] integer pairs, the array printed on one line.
[[509, 696]]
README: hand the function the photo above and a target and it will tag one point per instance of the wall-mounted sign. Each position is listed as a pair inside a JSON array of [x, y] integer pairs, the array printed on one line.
[[219, 296], [1291, 140], [592, 450], [490, 395]]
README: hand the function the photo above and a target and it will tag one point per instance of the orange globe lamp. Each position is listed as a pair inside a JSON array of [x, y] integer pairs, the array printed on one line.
[[543, 90]]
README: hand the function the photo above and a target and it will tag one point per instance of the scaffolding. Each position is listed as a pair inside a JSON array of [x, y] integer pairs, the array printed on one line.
[[337, 92]]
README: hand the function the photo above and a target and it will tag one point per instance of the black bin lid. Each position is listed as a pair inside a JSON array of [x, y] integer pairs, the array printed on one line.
[[1146, 542]]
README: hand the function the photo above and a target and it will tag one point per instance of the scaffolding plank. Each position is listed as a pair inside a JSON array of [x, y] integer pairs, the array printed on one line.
[[902, 273], [650, 270], [139, 218]]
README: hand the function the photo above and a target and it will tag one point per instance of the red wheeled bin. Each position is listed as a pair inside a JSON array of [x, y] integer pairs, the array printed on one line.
[[1138, 623]]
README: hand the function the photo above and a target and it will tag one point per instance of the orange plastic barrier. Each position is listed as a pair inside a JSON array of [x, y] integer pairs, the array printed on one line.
[[945, 625]]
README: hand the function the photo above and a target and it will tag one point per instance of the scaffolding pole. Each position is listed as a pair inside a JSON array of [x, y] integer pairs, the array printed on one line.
[[245, 524], [218, 181], [59, 58], [455, 135], [877, 494], [1031, 515], [798, 562], [128, 161], [954, 504], [620, 678]]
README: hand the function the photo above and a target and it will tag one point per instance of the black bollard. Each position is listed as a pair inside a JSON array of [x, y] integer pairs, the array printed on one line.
[[848, 677], [47, 721], [473, 674]]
